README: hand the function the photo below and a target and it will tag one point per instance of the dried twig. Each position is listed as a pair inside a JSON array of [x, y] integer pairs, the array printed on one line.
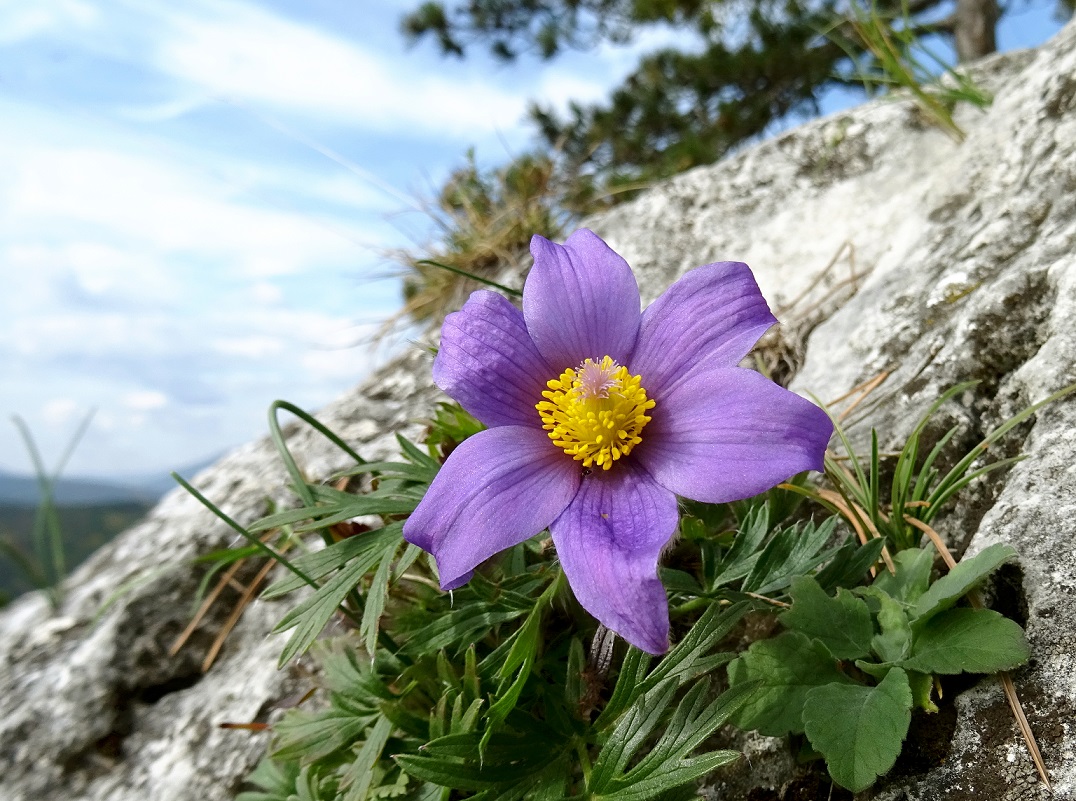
[[773, 601]]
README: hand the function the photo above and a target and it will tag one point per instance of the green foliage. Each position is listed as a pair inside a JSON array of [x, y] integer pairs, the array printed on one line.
[[859, 730], [857, 719], [489, 692], [918, 489]]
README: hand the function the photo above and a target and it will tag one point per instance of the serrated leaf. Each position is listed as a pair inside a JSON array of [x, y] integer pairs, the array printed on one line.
[[277, 779], [633, 727], [849, 564], [690, 656], [374, 602], [949, 589], [308, 736], [968, 641], [859, 730], [687, 770], [318, 564], [360, 774], [791, 552], [691, 724], [912, 575], [449, 773], [457, 627], [309, 617], [626, 690], [787, 666], [743, 554], [842, 624]]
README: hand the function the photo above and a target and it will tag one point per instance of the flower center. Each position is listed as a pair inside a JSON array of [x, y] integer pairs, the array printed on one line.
[[595, 412]]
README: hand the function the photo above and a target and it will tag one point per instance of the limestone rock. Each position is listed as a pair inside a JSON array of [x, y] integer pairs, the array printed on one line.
[[885, 246]]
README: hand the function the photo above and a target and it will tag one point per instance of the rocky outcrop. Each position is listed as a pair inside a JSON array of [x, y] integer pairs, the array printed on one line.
[[889, 249]]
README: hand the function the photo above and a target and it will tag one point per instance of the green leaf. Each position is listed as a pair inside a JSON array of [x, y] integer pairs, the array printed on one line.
[[895, 639], [949, 589], [792, 552], [276, 779], [842, 624], [632, 729], [375, 601], [457, 627], [743, 554], [859, 730], [687, 770], [968, 640], [574, 684], [360, 773], [787, 666], [627, 688], [692, 723], [850, 564], [690, 656], [318, 564], [912, 575], [450, 773], [309, 617], [922, 690], [307, 736]]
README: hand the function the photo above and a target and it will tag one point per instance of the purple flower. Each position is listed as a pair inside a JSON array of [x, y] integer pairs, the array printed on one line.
[[599, 416]]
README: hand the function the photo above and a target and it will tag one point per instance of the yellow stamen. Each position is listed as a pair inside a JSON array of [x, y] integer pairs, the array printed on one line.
[[595, 413]]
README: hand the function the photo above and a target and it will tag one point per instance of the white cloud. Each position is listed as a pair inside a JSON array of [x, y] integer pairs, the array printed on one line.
[[22, 21], [145, 400], [266, 294], [60, 411], [238, 51], [251, 347]]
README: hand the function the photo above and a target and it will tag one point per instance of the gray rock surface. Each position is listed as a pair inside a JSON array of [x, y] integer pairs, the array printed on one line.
[[887, 246]]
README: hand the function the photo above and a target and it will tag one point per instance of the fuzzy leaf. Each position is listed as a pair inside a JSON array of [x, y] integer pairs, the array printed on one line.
[[792, 552], [910, 581], [309, 617], [968, 641], [949, 589], [318, 564], [312, 735], [687, 770], [842, 624], [787, 666], [859, 730], [895, 639], [850, 564], [743, 554]]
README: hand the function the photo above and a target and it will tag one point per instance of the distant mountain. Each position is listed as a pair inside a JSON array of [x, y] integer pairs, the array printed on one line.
[[142, 490]]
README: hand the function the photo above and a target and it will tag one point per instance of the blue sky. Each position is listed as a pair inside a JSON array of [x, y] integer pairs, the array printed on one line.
[[196, 199]]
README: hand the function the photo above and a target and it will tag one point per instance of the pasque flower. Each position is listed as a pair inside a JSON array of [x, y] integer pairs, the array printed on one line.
[[599, 416]]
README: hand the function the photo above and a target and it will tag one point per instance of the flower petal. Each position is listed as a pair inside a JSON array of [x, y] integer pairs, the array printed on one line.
[[711, 317], [581, 301], [489, 364], [497, 489], [730, 433], [608, 540]]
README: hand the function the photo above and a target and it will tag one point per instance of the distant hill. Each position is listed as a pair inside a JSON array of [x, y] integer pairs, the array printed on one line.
[[85, 529], [16, 490], [139, 490]]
